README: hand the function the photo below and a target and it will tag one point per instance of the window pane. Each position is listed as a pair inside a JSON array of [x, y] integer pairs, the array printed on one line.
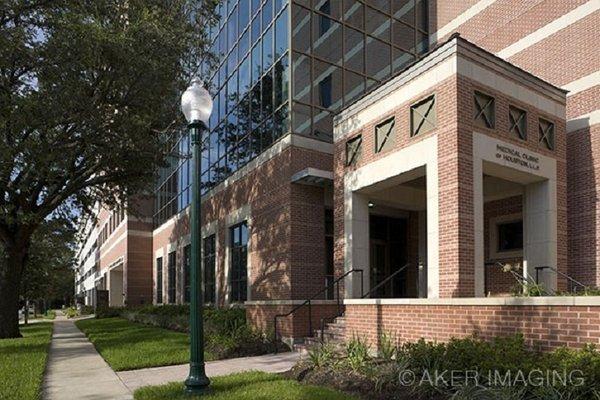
[[302, 77], [378, 56], [327, 36], [353, 12], [403, 36], [301, 119], [300, 29], [244, 13], [322, 125], [328, 79], [354, 86], [281, 82], [404, 10], [377, 24], [281, 34], [267, 45], [354, 45]]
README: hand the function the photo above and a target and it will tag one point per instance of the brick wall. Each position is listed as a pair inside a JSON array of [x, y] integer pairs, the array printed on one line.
[[544, 327], [584, 182], [286, 228]]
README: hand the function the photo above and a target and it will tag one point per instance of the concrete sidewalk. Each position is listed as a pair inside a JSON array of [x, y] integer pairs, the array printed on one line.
[[273, 363], [75, 370]]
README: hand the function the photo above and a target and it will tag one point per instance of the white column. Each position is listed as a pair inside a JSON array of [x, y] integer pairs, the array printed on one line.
[[422, 280], [356, 230], [540, 231], [478, 227], [433, 251]]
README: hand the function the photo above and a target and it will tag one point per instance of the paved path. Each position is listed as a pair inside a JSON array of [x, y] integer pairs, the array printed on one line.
[[75, 370], [177, 373]]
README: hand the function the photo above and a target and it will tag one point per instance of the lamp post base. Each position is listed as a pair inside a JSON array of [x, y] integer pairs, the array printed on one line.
[[197, 383]]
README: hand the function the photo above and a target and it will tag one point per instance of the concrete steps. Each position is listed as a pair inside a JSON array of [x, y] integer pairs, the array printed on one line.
[[333, 334]]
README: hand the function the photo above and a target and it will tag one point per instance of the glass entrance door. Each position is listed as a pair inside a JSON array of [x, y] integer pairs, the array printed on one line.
[[388, 253]]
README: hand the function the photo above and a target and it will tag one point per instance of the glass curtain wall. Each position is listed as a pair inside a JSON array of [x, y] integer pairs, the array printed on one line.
[[250, 88], [343, 48], [262, 90]]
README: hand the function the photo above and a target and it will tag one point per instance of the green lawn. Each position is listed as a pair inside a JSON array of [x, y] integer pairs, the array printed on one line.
[[22, 362], [127, 345], [245, 386]]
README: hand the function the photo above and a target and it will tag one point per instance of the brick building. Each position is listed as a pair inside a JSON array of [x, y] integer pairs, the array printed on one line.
[[363, 135]]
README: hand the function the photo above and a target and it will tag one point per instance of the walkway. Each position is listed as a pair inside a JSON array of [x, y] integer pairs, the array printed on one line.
[[273, 363], [75, 370]]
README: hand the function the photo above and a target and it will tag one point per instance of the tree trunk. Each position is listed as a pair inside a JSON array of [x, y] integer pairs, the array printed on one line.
[[11, 272]]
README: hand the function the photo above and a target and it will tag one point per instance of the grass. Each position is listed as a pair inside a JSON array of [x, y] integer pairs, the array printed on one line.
[[245, 386], [50, 314], [128, 345], [22, 362]]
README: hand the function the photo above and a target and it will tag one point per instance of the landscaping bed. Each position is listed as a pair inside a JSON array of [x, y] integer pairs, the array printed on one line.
[[245, 386], [460, 369], [133, 338], [22, 362]]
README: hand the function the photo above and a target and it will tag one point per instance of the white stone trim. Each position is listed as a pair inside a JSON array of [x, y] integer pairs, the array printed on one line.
[[539, 204], [288, 302], [583, 121], [583, 83], [484, 301], [558, 24], [455, 57], [460, 19], [356, 232]]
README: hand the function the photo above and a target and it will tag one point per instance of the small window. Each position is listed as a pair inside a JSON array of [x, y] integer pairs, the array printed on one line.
[[353, 150], [423, 117], [517, 120], [172, 282], [159, 280], [384, 135], [485, 110], [510, 236], [238, 272], [546, 133]]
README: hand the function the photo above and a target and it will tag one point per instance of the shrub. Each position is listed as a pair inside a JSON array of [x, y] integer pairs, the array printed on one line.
[[226, 332], [357, 353], [387, 346], [70, 312]]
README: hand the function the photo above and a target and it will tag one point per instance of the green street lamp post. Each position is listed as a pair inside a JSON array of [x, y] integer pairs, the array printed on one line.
[[196, 105]]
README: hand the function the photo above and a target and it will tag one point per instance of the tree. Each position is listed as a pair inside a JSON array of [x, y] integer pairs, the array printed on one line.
[[49, 274], [89, 95]]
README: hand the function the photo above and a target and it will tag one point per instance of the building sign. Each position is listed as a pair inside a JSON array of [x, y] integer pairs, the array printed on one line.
[[518, 157]]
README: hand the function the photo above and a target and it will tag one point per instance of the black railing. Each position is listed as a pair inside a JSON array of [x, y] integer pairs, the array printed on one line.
[[383, 282], [333, 285], [363, 295], [573, 283]]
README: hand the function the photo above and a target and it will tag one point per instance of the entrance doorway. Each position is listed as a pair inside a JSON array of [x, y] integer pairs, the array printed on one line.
[[388, 253]]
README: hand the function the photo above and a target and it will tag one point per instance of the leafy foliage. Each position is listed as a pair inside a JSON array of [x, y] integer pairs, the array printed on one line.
[[89, 98]]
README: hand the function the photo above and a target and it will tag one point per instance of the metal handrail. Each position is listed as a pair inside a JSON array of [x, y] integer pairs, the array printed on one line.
[[308, 302], [538, 269], [383, 282], [522, 280]]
